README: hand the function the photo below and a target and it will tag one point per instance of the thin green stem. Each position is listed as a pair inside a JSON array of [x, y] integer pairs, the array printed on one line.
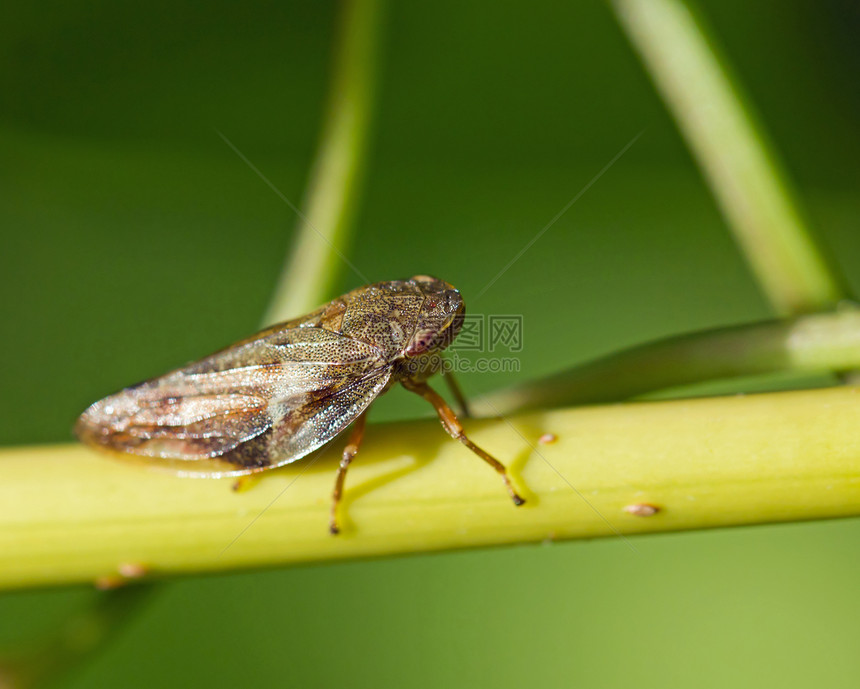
[[317, 255], [818, 343], [733, 153]]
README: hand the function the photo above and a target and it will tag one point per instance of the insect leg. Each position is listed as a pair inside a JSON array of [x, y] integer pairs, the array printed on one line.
[[455, 430], [349, 452], [454, 387]]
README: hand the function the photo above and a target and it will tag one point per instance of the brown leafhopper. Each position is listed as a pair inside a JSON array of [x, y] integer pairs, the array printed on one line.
[[277, 396]]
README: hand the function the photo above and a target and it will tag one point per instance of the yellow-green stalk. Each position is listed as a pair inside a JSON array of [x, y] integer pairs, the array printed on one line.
[[68, 514]]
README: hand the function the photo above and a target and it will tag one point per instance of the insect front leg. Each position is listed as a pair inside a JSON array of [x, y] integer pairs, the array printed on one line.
[[349, 453], [455, 430]]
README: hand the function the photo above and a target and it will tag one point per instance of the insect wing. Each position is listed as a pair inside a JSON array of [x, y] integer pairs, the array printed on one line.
[[262, 403]]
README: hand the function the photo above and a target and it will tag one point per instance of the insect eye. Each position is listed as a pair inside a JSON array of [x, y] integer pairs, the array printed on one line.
[[421, 343]]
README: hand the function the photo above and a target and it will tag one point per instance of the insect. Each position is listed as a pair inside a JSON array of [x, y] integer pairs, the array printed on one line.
[[279, 395]]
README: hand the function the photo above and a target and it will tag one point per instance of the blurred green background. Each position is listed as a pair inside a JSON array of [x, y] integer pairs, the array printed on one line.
[[135, 240]]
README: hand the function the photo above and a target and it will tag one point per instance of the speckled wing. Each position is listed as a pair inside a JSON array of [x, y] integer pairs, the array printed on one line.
[[262, 403]]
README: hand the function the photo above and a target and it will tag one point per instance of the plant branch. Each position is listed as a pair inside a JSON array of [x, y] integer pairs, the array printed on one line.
[[68, 514], [733, 154], [819, 343]]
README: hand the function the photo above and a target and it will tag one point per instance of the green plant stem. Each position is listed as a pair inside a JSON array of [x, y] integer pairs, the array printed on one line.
[[317, 257], [819, 343], [68, 514], [733, 154]]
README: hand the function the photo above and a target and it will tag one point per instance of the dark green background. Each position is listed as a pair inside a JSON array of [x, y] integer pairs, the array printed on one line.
[[134, 240]]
